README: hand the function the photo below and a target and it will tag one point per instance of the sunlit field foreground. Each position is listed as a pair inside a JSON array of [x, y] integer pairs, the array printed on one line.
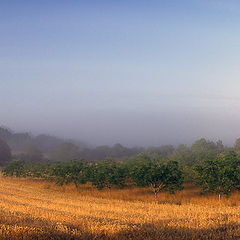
[[34, 209]]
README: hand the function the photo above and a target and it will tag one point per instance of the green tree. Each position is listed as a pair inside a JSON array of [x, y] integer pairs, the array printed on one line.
[[107, 173], [220, 175], [73, 171], [37, 170], [14, 168], [159, 176]]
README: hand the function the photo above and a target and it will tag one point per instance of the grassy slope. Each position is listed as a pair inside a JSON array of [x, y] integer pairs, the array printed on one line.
[[34, 209]]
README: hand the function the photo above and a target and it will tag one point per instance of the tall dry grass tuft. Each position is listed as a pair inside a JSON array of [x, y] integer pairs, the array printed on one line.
[[35, 209]]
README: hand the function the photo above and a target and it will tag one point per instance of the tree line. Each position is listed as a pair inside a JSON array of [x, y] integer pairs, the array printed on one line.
[[141, 171], [220, 175]]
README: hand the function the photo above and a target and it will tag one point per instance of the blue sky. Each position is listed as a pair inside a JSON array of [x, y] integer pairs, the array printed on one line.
[[135, 72]]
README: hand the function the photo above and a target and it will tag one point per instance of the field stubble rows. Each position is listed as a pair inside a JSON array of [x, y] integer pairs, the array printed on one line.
[[35, 209]]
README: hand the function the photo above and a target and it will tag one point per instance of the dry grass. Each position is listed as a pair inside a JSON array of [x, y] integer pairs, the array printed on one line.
[[34, 209]]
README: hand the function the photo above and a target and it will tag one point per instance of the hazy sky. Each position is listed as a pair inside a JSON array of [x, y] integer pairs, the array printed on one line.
[[136, 72]]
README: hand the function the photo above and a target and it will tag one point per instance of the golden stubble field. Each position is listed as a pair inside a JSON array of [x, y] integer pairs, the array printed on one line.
[[35, 209]]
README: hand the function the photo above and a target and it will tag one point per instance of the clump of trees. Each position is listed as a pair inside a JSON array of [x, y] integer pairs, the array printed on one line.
[[157, 175], [107, 173], [220, 175], [74, 171], [15, 168]]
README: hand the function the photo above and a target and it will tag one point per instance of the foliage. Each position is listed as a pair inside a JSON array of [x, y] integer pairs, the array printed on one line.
[[163, 151], [183, 155], [14, 168], [220, 175], [66, 172], [159, 176], [102, 152], [107, 173], [20, 168], [203, 149], [37, 170]]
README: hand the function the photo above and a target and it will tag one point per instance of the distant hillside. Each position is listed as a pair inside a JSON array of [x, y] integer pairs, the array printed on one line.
[[20, 142], [37, 148]]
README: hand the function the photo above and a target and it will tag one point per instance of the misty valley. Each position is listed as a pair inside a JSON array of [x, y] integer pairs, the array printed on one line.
[[163, 192]]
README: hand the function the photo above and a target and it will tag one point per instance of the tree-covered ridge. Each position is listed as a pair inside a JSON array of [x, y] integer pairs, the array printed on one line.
[[43, 142], [46, 147]]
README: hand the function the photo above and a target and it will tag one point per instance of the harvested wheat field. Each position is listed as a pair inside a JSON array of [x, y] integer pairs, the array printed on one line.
[[35, 209]]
